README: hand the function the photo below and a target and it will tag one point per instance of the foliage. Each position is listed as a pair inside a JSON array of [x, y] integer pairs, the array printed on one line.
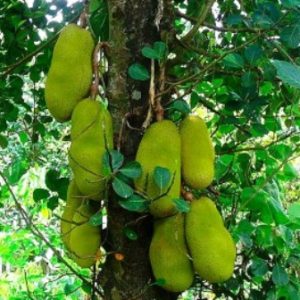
[[240, 71]]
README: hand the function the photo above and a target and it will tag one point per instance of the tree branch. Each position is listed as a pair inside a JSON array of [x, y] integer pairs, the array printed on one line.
[[217, 28], [200, 20]]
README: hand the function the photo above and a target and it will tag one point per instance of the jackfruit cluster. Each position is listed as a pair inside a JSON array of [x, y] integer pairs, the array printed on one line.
[[197, 241], [67, 85], [70, 74], [182, 244], [91, 136]]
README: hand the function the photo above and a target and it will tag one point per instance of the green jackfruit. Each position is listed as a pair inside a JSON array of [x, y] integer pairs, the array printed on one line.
[[74, 200], [169, 255], [91, 133], [197, 153], [70, 73], [210, 244], [85, 239], [160, 147]]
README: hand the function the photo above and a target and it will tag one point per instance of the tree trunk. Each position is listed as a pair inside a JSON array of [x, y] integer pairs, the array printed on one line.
[[132, 26]]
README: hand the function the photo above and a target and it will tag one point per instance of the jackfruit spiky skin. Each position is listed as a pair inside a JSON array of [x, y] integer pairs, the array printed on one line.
[[70, 74], [91, 133], [74, 200], [85, 239], [169, 255], [197, 153], [210, 244], [160, 147]]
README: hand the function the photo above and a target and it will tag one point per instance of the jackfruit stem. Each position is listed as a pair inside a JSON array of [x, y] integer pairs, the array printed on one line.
[[151, 96], [94, 91], [188, 196], [158, 107]]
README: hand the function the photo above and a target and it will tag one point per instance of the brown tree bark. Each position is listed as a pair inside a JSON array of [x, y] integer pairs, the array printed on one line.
[[132, 26]]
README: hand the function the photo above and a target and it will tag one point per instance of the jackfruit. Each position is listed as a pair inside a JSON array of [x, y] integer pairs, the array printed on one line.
[[169, 255], [160, 147], [210, 244], [85, 239], [70, 74], [74, 200], [91, 133], [197, 153]]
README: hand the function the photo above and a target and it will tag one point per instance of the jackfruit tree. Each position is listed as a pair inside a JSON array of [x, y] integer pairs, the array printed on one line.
[[149, 149]]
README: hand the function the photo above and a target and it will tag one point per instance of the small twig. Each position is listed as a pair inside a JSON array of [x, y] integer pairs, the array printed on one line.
[[27, 287]]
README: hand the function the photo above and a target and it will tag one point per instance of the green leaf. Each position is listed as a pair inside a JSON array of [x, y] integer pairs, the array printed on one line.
[[51, 179], [16, 171], [87, 287], [290, 3], [138, 72], [132, 170], [121, 188], [287, 72], [52, 202], [98, 19], [160, 48], [160, 282], [249, 79], [135, 203], [294, 211], [62, 190], [162, 177], [181, 106], [39, 194], [259, 267], [150, 53], [253, 53], [291, 35], [68, 289], [96, 219], [3, 141], [182, 205], [130, 233], [279, 275], [112, 160], [234, 60]]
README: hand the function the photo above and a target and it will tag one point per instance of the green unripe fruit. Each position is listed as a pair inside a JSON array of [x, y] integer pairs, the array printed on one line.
[[85, 239], [70, 73], [210, 244], [74, 200], [160, 147], [197, 153], [169, 255], [91, 133]]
